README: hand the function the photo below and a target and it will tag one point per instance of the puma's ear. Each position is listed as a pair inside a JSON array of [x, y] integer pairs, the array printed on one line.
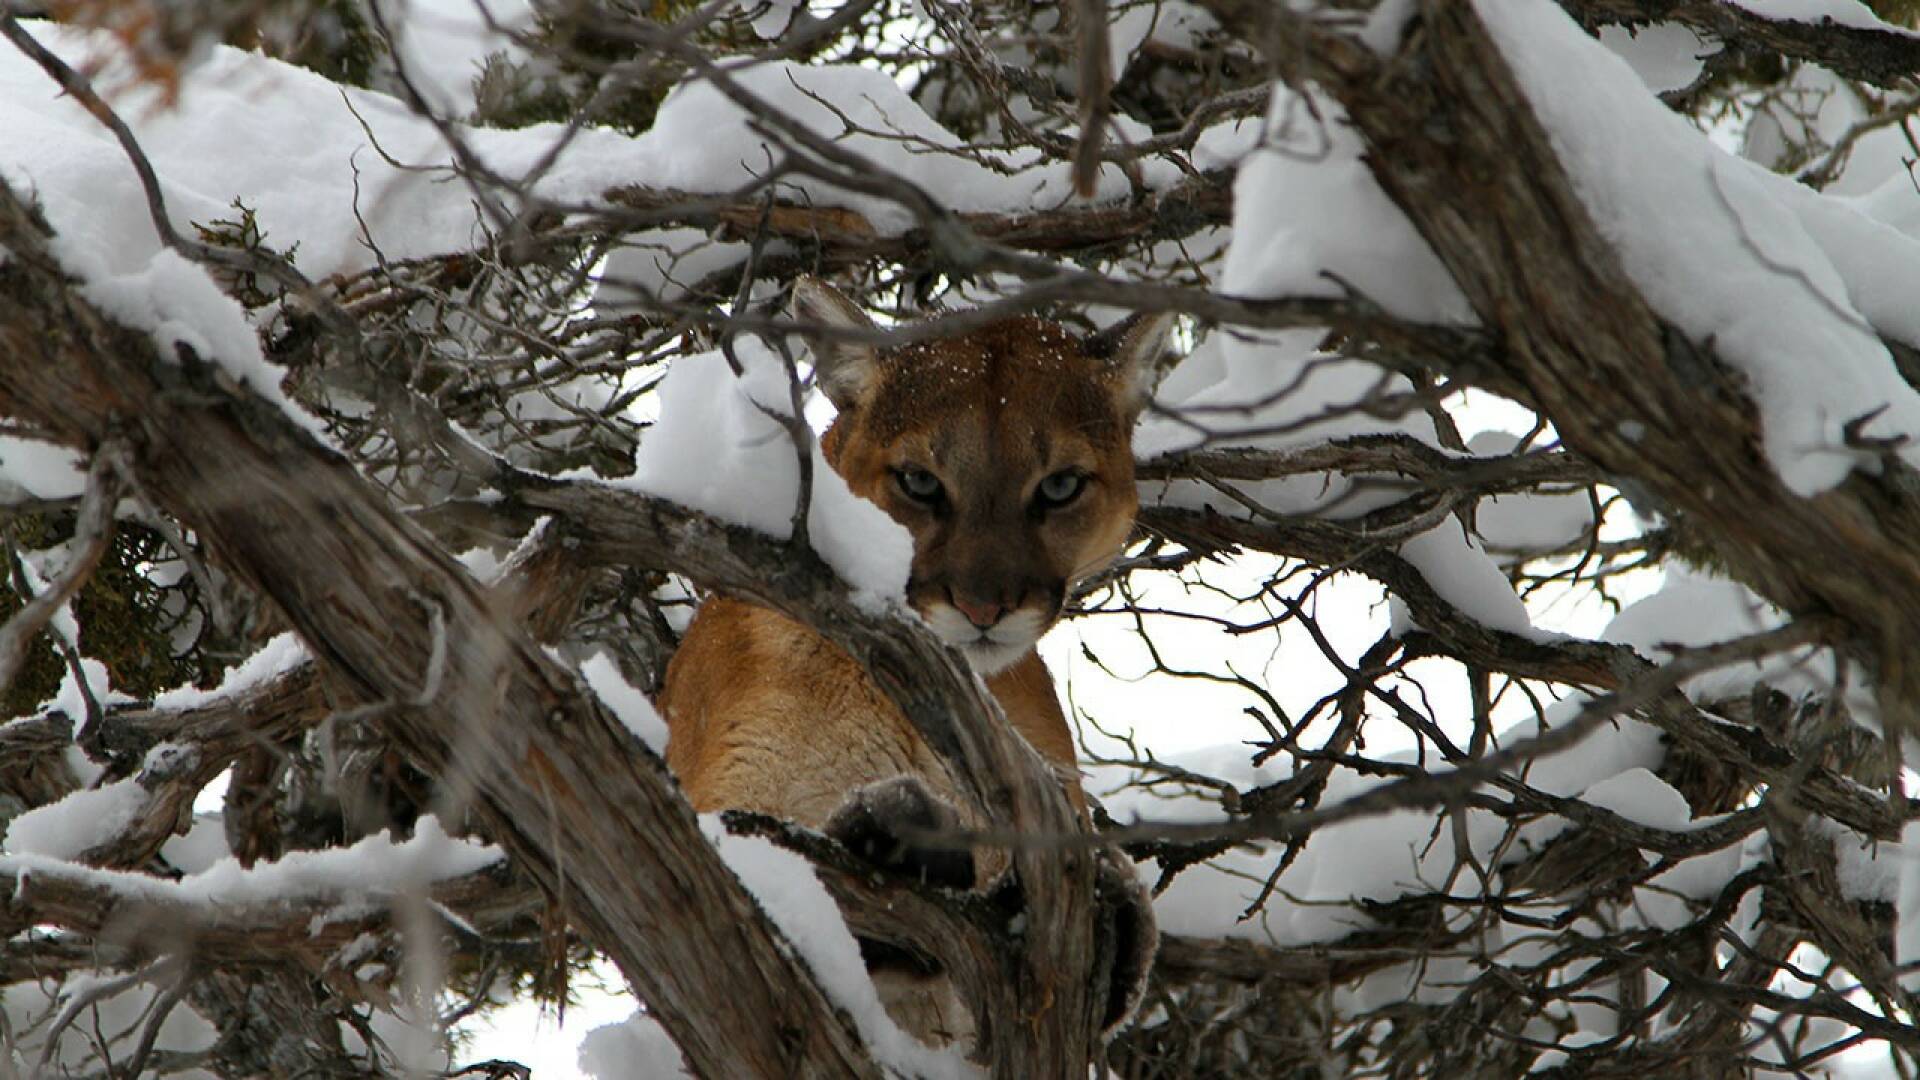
[[844, 370], [1134, 349]]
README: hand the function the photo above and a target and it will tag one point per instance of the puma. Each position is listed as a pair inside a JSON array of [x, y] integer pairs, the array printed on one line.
[[1005, 451]]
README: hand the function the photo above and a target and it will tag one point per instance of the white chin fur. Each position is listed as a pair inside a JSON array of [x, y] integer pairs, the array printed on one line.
[[997, 650], [989, 658]]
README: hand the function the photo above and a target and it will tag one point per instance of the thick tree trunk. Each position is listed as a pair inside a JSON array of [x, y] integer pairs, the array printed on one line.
[[403, 633], [399, 627]]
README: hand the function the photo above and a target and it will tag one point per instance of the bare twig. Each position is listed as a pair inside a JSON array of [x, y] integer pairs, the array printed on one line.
[[93, 531]]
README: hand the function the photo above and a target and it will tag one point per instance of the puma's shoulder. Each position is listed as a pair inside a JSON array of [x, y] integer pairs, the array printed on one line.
[[765, 714]]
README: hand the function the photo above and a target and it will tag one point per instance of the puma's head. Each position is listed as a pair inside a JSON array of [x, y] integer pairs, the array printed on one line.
[[1005, 451]]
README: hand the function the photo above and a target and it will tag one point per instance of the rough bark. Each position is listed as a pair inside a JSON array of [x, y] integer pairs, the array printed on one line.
[[1007, 779], [577, 803], [1883, 57], [1202, 201], [1452, 139], [398, 628]]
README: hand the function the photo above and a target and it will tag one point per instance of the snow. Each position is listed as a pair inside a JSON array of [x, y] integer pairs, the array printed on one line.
[[1780, 281], [771, 17], [83, 820], [203, 844], [442, 44], [1817, 109], [228, 137], [1698, 878], [1611, 767], [1694, 610], [1386, 25], [1407, 851], [374, 868], [483, 564], [700, 141], [624, 701], [375, 864], [1529, 523], [313, 183], [1308, 215], [1458, 569], [1867, 869], [665, 263], [355, 878], [1642, 798], [1843, 12], [1666, 56], [39, 579], [1218, 147], [1906, 947], [1261, 386], [38, 470], [790, 893], [1275, 391], [716, 450], [69, 699], [1810, 109], [281, 654], [1309, 220], [1272, 390], [1618, 747], [169, 296], [325, 189], [90, 196], [1173, 23], [307, 180], [636, 1048], [103, 237], [183, 1031]]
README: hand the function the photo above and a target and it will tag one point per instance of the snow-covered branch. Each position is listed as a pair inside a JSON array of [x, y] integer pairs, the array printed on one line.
[[1622, 382], [1847, 38], [522, 773], [308, 906], [1513, 643], [362, 587]]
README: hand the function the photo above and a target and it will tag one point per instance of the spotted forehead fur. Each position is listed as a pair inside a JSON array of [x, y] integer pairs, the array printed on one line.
[[1022, 366]]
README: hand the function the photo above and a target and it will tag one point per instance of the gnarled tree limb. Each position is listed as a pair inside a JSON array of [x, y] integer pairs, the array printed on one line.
[[577, 803], [1883, 57], [1452, 138]]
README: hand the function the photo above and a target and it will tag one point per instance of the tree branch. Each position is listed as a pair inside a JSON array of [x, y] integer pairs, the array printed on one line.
[[1885, 57], [1453, 140], [563, 787]]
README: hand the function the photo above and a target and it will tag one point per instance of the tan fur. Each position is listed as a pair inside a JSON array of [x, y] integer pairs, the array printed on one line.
[[764, 714]]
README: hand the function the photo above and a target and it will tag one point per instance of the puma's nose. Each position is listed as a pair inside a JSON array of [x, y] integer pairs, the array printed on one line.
[[981, 613]]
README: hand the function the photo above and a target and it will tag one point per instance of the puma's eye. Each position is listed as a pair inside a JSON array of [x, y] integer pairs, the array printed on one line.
[[1061, 488], [919, 484]]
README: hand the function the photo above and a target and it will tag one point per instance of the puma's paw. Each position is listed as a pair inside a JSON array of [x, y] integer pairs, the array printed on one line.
[[1126, 919], [885, 823]]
